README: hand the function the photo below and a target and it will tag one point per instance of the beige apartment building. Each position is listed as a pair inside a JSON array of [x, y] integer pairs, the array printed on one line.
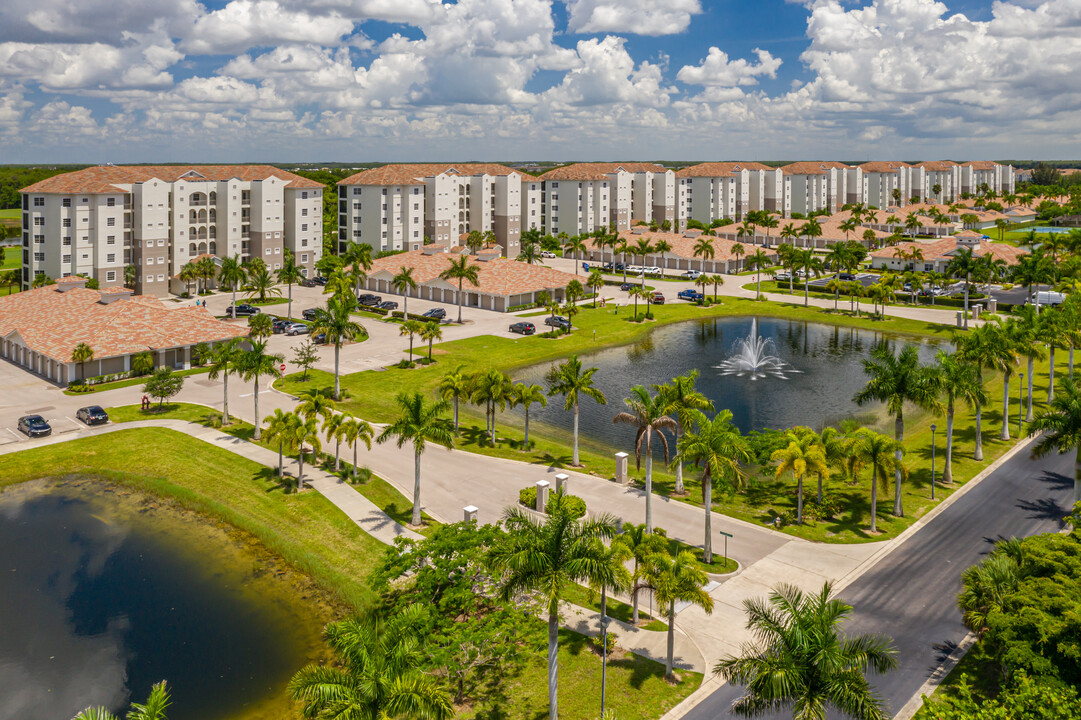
[[97, 221], [610, 195]]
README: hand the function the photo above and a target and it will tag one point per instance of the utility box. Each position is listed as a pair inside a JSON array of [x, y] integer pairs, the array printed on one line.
[[621, 468]]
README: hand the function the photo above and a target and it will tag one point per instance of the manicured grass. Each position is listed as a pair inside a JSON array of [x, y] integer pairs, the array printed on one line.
[[584, 597], [168, 411], [11, 214], [385, 496], [141, 380], [305, 529], [12, 258], [269, 301]]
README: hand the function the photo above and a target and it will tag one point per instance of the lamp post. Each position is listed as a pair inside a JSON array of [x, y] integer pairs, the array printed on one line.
[[605, 620], [1020, 403], [933, 428]]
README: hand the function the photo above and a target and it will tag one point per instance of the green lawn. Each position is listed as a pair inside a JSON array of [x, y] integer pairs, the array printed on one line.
[[12, 258], [584, 597], [129, 382], [11, 214]]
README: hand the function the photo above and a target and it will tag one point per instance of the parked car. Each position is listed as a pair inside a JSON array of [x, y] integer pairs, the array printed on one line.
[[547, 254], [369, 300], [307, 282], [92, 415], [692, 275], [296, 329], [783, 275], [388, 305], [658, 298], [308, 314], [280, 324], [435, 313], [689, 295], [652, 270], [523, 328], [557, 321], [619, 267], [585, 267], [34, 426], [1046, 298], [846, 277], [320, 280], [243, 310], [607, 266], [625, 286], [320, 338]]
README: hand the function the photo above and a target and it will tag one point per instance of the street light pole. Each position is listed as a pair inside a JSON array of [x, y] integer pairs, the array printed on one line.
[[933, 428], [604, 657]]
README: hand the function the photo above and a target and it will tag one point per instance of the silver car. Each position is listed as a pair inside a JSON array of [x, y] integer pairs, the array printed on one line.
[[296, 329]]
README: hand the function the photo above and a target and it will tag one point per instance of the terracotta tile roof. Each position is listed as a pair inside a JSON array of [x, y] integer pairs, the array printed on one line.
[[883, 167], [599, 171], [414, 173], [981, 164], [835, 164], [945, 248], [805, 168], [937, 165], [498, 276], [682, 246], [719, 169], [52, 323], [107, 178]]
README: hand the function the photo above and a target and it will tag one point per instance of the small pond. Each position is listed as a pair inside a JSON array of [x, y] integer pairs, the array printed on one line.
[[825, 369], [102, 600]]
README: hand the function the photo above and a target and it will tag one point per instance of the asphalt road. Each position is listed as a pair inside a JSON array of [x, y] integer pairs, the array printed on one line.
[[910, 595]]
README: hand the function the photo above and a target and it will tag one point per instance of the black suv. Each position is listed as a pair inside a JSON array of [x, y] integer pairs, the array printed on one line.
[[34, 426], [523, 328], [388, 305], [320, 280], [243, 310], [280, 324], [92, 415], [308, 314], [369, 300], [435, 314]]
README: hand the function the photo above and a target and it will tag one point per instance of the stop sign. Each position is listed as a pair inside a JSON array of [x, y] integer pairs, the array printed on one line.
[[282, 368]]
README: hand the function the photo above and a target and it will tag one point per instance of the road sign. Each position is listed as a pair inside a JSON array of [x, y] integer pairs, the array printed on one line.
[[282, 368], [726, 536]]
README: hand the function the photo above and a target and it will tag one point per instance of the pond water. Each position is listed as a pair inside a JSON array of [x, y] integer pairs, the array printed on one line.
[[824, 371], [98, 603]]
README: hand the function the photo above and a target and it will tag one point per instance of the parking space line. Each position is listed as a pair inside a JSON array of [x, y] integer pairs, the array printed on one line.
[[78, 425], [18, 438]]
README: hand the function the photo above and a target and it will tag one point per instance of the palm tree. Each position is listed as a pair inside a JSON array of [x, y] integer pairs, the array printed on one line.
[[1031, 270], [306, 433], [157, 702], [223, 360], [803, 454], [574, 244], [420, 423], [677, 579], [1060, 422], [431, 332], [332, 428], [1008, 336], [963, 263], [642, 545], [378, 672], [338, 284], [572, 382], [717, 445], [848, 226], [882, 454], [1052, 331], [835, 286], [315, 404], [960, 381], [1028, 337], [290, 273], [595, 282], [526, 394], [738, 251], [661, 247], [545, 558], [647, 415], [758, 261], [986, 586], [282, 429], [358, 257], [335, 320], [411, 328], [789, 232], [254, 364], [808, 262], [811, 229], [768, 221], [680, 398], [613, 574], [454, 386], [494, 388], [260, 282], [461, 270], [207, 270], [703, 248], [896, 380], [715, 281], [353, 430], [640, 249], [260, 326], [403, 283], [188, 274], [232, 275], [82, 354], [804, 661]]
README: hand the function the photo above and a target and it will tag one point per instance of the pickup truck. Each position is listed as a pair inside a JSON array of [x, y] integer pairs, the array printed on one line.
[[690, 295]]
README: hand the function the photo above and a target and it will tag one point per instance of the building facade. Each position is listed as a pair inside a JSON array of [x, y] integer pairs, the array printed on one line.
[[98, 221]]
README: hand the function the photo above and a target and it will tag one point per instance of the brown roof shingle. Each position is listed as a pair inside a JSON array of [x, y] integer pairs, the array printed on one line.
[[414, 173], [719, 169], [107, 178], [498, 276]]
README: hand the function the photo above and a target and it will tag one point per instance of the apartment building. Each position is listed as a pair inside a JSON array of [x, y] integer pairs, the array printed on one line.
[[807, 187], [880, 180], [636, 192], [97, 221], [946, 175], [396, 207], [716, 190], [577, 199], [978, 173]]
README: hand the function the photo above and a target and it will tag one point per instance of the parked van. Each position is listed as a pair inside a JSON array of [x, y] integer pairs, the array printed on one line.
[[1046, 297]]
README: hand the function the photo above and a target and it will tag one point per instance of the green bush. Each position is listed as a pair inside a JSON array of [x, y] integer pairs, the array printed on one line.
[[1026, 699], [577, 506], [528, 497]]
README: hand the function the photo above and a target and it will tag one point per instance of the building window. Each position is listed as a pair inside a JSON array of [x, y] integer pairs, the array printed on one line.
[[66, 202], [110, 276], [304, 227], [66, 259], [160, 278], [384, 191], [304, 196], [110, 222], [110, 202], [39, 221], [110, 240], [304, 258], [39, 257], [111, 257], [66, 222], [304, 242], [304, 212], [39, 202]]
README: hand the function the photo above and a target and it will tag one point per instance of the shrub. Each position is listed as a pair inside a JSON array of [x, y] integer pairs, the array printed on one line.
[[577, 506], [528, 497], [406, 365], [599, 641]]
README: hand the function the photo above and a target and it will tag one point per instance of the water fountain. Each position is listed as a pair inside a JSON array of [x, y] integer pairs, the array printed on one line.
[[752, 358]]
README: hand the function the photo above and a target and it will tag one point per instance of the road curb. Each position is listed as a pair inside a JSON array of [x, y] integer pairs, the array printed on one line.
[[937, 677]]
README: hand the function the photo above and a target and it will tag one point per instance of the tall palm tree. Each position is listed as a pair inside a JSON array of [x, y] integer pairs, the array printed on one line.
[[232, 275], [82, 354], [980, 347], [595, 282], [677, 579], [495, 389], [647, 415], [260, 282], [289, 273], [306, 433], [1051, 330], [354, 430], [963, 264], [803, 454], [1027, 333], [358, 258], [641, 248], [412, 328], [260, 326], [703, 248], [207, 270], [720, 449], [738, 251], [896, 380], [1009, 336], [574, 244], [157, 702], [986, 586], [960, 381], [332, 428], [253, 365], [1060, 422], [804, 661], [282, 429], [335, 320], [680, 399], [881, 453], [642, 545], [403, 283], [454, 386], [807, 261], [315, 404], [573, 383], [758, 261], [188, 274], [526, 394], [661, 247], [378, 672], [420, 423], [223, 361], [461, 270], [431, 332], [545, 558]]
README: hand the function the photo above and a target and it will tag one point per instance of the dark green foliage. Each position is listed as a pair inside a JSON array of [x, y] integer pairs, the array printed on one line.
[[1044, 174], [1027, 699], [163, 385], [575, 505], [15, 177], [763, 443]]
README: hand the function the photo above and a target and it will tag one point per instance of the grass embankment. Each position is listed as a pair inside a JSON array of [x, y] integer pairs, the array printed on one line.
[[373, 395]]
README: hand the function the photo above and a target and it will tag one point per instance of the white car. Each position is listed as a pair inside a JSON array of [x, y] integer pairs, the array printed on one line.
[[692, 275], [783, 275], [547, 254], [653, 270]]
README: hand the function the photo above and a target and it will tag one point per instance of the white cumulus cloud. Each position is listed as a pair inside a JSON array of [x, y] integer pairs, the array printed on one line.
[[640, 17]]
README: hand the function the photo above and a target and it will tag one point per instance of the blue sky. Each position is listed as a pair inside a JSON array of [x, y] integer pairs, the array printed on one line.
[[367, 80]]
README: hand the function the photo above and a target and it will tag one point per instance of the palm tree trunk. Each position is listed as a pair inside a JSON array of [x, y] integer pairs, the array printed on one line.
[[290, 311], [354, 460], [1051, 377], [978, 455], [671, 638], [819, 489], [649, 486], [493, 423], [553, 663], [416, 486], [405, 316], [459, 301], [874, 499], [234, 301], [707, 500], [679, 465], [947, 470], [1077, 477], [527, 427], [455, 414], [300, 469], [225, 399], [966, 300], [337, 461], [1028, 412], [337, 375], [281, 458], [805, 291], [899, 433], [799, 499], [258, 430], [574, 453], [1005, 434]]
